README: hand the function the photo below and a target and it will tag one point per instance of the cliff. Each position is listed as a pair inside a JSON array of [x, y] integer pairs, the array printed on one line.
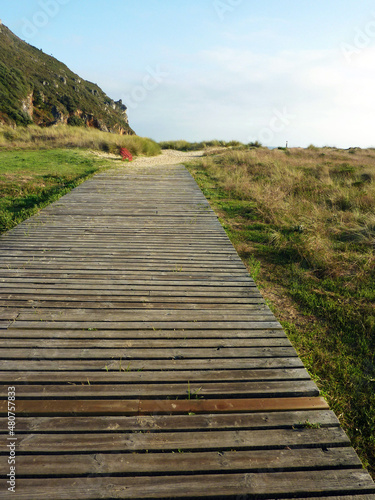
[[37, 88]]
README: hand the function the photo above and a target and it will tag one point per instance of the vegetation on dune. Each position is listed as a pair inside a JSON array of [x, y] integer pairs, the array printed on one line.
[[62, 136], [182, 145], [303, 220]]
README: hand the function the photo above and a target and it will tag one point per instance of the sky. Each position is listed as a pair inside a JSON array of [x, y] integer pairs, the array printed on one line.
[[273, 71]]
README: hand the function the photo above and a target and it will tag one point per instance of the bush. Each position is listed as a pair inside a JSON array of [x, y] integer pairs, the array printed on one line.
[[255, 144], [76, 121]]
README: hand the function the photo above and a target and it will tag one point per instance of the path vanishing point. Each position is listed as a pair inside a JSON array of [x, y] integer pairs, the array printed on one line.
[[145, 362]]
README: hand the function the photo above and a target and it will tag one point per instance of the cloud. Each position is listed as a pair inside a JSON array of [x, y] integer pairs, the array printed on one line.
[[236, 93]]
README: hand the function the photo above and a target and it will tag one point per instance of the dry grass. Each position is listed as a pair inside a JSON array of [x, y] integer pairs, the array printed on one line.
[[62, 136], [303, 222], [326, 195]]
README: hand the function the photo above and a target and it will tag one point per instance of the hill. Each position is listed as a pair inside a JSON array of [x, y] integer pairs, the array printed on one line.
[[37, 88]]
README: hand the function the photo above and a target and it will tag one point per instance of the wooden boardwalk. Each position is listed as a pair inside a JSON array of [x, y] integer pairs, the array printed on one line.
[[146, 363]]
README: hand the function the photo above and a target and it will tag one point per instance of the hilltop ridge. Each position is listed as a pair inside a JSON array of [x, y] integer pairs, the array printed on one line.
[[37, 88]]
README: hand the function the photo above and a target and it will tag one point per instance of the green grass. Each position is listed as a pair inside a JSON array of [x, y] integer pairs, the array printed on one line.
[[303, 221], [30, 180]]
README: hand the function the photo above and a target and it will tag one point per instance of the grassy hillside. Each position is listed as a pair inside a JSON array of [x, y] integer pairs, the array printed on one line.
[[303, 221], [36, 87]]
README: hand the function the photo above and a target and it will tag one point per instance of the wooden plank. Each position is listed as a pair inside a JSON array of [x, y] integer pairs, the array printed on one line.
[[188, 252], [168, 441], [151, 353], [114, 284], [123, 300], [152, 333], [193, 249], [19, 377], [145, 407], [118, 365], [89, 269], [87, 302], [120, 306], [277, 420], [141, 325], [185, 463], [295, 483], [294, 388], [76, 288], [8, 314], [95, 343], [155, 286]]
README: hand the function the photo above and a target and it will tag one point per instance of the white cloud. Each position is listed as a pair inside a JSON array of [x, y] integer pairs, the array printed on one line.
[[232, 93]]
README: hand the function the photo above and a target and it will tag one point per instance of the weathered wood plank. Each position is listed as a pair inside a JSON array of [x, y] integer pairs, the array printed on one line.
[[76, 288], [161, 441], [151, 353], [305, 388], [93, 302], [118, 365], [96, 343], [141, 325], [296, 483], [126, 283], [19, 377], [152, 333], [123, 300], [109, 284], [249, 421], [185, 463], [149, 407]]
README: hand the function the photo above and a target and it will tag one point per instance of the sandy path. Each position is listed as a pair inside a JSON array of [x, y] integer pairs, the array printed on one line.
[[167, 157]]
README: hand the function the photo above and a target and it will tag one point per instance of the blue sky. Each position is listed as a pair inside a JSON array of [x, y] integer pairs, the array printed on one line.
[[300, 71]]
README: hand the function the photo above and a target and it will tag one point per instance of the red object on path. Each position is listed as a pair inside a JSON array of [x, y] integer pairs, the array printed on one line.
[[126, 154]]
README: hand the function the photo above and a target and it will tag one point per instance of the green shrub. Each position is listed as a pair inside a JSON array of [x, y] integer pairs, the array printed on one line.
[[76, 121]]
